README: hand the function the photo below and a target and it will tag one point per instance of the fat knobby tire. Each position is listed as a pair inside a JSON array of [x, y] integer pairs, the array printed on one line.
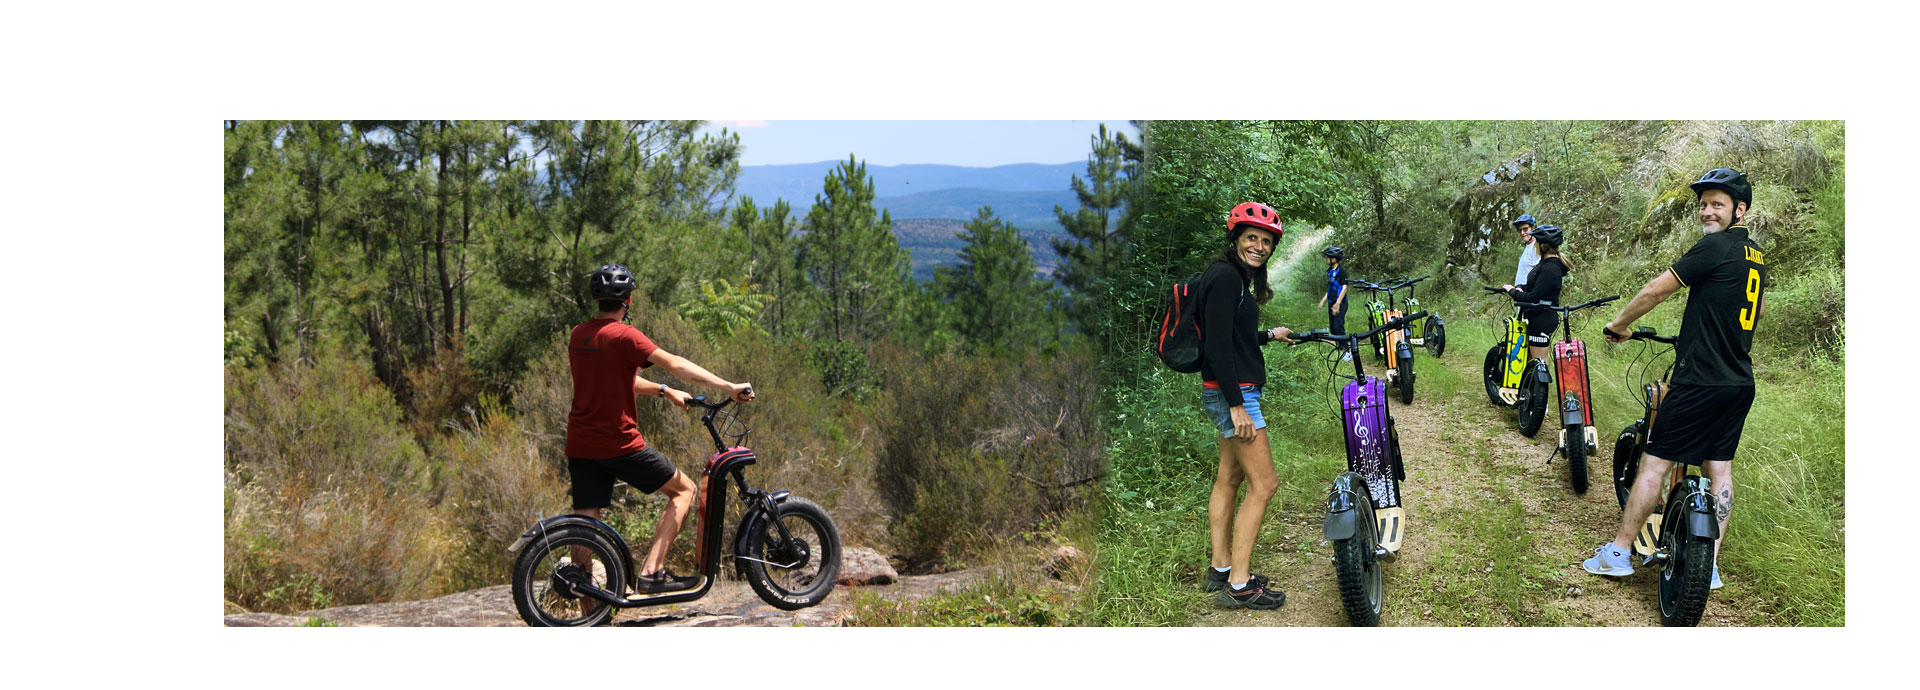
[[1350, 559], [526, 578], [1577, 457], [828, 556]]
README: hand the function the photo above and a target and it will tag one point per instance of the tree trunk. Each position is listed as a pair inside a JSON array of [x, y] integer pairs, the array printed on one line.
[[440, 244]]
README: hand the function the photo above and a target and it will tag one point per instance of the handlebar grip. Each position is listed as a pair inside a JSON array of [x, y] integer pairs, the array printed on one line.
[[1493, 290]]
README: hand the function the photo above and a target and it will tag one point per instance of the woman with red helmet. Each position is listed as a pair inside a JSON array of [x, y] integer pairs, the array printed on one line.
[[1233, 371]]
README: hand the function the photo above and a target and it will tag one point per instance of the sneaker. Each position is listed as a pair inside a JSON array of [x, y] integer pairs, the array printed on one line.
[[1609, 560], [1348, 357], [1215, 580], [1255, 597], [662, 581], [1716, 576]]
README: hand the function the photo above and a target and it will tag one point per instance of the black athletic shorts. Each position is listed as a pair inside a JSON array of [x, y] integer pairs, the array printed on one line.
[[645, 469], [1540, 325], [1698, 423]]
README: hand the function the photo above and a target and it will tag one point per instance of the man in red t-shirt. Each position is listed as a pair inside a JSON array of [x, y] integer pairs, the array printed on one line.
[[603, 443]]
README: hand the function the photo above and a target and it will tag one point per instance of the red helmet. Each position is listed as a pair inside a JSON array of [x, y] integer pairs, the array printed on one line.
[[1256, 214]]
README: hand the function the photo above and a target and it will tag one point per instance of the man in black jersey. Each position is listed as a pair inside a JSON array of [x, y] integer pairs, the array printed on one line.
[[1712, 387]]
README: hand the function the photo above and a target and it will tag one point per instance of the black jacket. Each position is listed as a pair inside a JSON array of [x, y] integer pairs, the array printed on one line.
[[1230, 335], [1543, 283]]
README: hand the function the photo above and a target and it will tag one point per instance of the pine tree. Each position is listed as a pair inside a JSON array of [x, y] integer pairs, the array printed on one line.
[[1099, 230], [998, 301], [852, 257]]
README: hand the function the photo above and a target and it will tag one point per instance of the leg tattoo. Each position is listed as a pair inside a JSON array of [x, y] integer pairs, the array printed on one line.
[[1725, 504]]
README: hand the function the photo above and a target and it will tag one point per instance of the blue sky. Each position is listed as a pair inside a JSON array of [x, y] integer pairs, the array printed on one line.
[[976, 143]]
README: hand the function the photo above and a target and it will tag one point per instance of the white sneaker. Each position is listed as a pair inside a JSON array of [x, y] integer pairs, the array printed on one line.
[[1609, 560], [1716, 576], [1348, 357]]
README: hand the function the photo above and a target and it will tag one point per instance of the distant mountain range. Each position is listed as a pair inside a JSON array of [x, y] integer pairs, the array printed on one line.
[[930, 203], [799, 182]]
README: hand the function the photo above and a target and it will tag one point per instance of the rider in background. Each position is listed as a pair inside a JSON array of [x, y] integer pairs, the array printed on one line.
[[1712, 388], [1529, 255], [1335, 299], [1543, 284], [1232, 372], [603, 443]]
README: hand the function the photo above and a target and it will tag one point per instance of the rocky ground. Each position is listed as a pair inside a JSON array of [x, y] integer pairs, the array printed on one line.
[[731, 603]]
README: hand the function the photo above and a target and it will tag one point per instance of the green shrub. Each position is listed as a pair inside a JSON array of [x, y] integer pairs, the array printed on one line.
[[327, 496]]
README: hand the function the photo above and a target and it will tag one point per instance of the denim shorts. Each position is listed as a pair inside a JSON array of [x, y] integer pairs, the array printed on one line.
[[1216, 404]]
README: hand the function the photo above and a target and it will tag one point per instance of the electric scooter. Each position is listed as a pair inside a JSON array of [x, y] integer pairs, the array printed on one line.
[[1365, 521], [1679, 537], [786, 547], [1578, 439], [1512, 378]]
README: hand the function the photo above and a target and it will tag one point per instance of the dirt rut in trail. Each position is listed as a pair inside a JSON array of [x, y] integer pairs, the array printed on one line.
[[1467, 468]]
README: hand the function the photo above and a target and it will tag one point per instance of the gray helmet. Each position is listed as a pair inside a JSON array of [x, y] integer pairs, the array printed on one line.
[[1332, 252], [612, 281]]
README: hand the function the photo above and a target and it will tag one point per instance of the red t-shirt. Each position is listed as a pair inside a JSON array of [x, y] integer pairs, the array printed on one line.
[[604, 355]]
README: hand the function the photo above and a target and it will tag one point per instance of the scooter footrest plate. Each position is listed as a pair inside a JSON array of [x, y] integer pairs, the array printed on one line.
[[1593, 440], [1392, 527], [1649, 538], [1510, 396], [644, 596]]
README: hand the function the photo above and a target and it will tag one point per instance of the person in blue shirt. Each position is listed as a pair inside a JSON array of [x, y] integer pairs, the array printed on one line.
[[1335, 299]]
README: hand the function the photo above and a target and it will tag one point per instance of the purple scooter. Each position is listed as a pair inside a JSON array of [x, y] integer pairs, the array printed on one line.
[[1365, 522]]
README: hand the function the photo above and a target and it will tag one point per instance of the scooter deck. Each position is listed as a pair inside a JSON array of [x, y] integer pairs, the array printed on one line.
[[1393, 527], [1645, 543], [633, 597], [1510, 396]]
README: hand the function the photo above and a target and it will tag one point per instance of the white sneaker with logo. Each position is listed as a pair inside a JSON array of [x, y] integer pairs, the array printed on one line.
[[1609, 560]]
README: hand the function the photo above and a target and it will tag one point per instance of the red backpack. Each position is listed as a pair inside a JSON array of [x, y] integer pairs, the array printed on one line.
[[1178, 343]]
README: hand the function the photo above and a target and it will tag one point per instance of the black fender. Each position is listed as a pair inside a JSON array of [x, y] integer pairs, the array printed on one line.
[[1343, 520], [1570, 412], [1702, 521], [1539, 370], [756, 514], [1404, 351], [558, 521]]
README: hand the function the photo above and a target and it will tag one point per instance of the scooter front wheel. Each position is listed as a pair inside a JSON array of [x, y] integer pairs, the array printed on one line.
[[1404, 377], [796, 570], [1357, 569], [546, 571], [1686, 575]]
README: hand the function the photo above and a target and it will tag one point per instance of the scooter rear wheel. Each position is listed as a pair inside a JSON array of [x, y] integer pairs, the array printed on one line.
[[1576, 435], [1490, 372], [545, 568], [1357, 569], [1433, 335], [1626, 462]]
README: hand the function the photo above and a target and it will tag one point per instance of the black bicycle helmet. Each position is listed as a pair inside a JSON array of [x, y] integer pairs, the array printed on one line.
[[1524, 219], [612, 281], [1333, 252], [1733, 182], [1550, 235]]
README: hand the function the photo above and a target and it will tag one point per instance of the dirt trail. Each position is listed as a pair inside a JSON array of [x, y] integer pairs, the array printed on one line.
[[1483, 506]]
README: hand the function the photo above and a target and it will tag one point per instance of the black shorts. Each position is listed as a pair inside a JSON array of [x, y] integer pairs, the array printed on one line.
[[645, 469], [1698, 423], [1540, 325]]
